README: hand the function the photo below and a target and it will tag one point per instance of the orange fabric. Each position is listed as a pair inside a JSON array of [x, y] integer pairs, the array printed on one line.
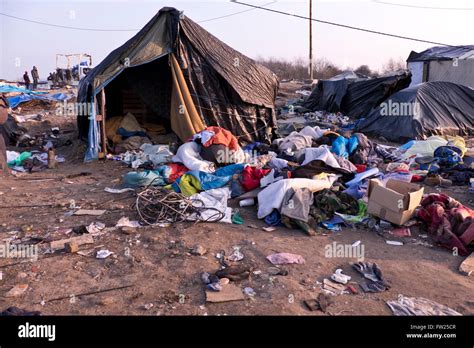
[[222, 137], [185, 120]]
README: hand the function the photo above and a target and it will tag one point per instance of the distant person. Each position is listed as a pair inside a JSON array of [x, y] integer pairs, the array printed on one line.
[[60, 75], [26, 78], [3, 151], [35, 76]]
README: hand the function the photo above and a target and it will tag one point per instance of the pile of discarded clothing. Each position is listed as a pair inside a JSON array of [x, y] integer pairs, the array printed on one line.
[[314, 180]]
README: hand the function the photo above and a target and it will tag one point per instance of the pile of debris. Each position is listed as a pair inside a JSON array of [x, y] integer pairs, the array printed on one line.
[[315, 180]]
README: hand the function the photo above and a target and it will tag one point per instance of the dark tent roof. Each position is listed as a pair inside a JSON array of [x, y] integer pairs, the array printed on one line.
[[430, 108], [353, 94], [440, 53], [228, 89], [327, 94]]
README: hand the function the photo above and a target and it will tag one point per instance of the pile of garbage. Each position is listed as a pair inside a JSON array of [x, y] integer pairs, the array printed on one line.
[[293, 116], [315, 180], [39, 151]]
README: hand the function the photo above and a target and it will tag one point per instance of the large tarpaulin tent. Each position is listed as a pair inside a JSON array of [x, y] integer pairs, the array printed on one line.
[[430, 108], [188, 78], [353, 94]]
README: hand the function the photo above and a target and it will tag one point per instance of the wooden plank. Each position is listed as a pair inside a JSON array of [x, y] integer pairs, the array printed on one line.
[[93, 212], [79, 240], [228, 293]]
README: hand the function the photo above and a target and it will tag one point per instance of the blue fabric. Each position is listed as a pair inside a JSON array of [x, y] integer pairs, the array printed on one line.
[[448, 156], [22, 98], [210, 181], [127, 134], [8, 89], [352, 144], [357, 190], [339, 146], [251, 147], [236, 188], [362, 176], [333, 223], [158, 176], [273, 219], [230, 169], [145, 178], [407, 145], [92, 153]]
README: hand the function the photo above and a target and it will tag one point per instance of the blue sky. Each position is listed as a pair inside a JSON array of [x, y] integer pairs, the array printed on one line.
[[254, 33]]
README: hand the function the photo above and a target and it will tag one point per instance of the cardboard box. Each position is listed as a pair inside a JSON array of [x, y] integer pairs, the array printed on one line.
[[396, 202]]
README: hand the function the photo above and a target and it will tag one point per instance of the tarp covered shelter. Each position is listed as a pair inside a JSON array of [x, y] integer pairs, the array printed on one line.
[[443, 63], [353, 94], [430, 108], [176, 73]]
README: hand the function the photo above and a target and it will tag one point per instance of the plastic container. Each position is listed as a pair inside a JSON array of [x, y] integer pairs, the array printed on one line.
[[247, 202]]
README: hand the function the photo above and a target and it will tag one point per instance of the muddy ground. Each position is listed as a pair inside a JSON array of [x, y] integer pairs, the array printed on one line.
[[157, 264]]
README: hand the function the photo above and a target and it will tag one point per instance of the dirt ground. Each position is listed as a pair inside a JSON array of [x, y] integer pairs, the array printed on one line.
[[162, 272]]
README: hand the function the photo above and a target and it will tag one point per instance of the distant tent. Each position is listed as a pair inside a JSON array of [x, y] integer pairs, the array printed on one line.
[[327, 95], [353, 94], [431, 108], [175, 73]]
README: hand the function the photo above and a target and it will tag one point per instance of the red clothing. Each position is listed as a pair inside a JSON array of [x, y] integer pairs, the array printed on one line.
[[176, 171], [223, 137], [251, 177], [450, 223]]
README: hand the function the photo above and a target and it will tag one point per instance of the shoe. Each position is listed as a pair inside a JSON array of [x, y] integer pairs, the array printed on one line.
[[437, 180]]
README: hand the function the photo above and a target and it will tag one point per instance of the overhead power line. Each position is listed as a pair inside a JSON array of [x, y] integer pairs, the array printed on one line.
[[424, 7], [235, 13], [62, 26], [105, 30], [342, 25]]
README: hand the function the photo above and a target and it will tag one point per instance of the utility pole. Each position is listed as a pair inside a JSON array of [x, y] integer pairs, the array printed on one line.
[[311, 39]]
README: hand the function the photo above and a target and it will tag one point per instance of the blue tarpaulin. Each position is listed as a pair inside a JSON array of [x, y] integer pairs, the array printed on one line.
[[22, 98], [12, 89]]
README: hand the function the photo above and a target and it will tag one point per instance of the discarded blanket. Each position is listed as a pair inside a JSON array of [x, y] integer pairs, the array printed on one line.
[[322, 153], [419, 306], [294, 142], [188, 154], [272, 196], [285, 258], [449, 222], [162, 175]]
